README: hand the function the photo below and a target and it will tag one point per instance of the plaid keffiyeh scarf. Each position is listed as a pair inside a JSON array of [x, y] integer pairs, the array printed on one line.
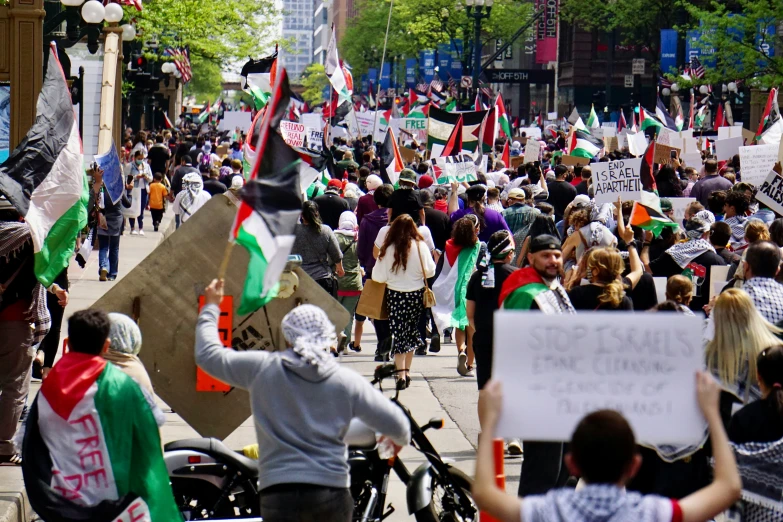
[[767, 295], [684, 253]]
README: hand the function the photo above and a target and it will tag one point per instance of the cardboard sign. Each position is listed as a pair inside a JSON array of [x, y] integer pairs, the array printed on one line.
[[637, 143], [757, 161], [516, 161], [408, 155], [611, 144], [725, 133], [222, 151], [453, 169], [727, 148], [642, 365], [770, 192], [533, 150], [749, 135], [617, 178], [678, 207], [573, 161], [204, 381], [663, 154], [293, 133]]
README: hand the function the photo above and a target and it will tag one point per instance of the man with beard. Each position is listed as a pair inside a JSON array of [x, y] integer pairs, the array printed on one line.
[[537, 287]]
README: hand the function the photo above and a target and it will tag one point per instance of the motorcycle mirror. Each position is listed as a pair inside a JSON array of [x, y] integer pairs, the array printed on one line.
[[436, 423]]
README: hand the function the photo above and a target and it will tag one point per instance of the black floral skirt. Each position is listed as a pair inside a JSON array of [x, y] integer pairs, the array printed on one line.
[[405, 309]]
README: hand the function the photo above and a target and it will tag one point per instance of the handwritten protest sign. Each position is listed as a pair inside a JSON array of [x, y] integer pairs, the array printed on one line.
[[726, 149], [365, 120], [315, 139], [663, 153], [637, 143], [516, 161], [416, 127], [770, 192], [293, 133], [757, 161], [667, 137], [617, 178], [638, 364], [573, 161], [408, 155], [453, 168], [532, 150]]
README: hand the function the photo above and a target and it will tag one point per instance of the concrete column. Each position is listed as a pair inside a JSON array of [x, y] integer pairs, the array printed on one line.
[[111, 83], [26, 64]]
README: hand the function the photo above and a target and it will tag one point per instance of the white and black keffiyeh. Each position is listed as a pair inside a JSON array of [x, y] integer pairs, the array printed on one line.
[[192, 185], [684, 253], [767, 295], [311, 334], [555, 301], [737, 224]]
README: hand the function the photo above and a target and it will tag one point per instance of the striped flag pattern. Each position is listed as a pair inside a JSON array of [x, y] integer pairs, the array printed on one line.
[[181, 62]]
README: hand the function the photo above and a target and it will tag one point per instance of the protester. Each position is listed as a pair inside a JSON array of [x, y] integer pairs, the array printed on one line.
[[493, 199], [711, 182], [720, 233], [490, 221], [126, 446], [679, 290], [109, 226], [561, 193], [586, 174], [762, 420], [192, 197], [436, 221], [142, 177], [158, 194], [403, 263], [158, 155], [212, 184], [304, 473], [519, 215], [331, 205], [56, 301], [367, 203], [606, 290], [761, 265], [316, 243], [603, 452], [668, 183], [349, 286]]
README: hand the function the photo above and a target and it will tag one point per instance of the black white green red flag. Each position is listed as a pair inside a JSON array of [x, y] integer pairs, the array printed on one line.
[[270, 206], [44, 177]]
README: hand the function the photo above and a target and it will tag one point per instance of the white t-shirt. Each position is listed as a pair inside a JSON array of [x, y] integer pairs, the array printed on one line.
[[424, 231], [410, 279]]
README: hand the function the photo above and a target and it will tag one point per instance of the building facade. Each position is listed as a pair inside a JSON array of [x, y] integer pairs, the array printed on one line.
[[322, 21], [298, 30]]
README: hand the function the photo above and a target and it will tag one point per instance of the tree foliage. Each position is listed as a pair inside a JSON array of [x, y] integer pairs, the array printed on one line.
[[420, 24], [314, 80], [206, 83]]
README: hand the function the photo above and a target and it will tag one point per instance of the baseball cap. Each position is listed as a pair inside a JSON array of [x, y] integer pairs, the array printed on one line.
[[407, 176], [544, 242], [425, 181], [335, 183], [517, 193], [666, 205]]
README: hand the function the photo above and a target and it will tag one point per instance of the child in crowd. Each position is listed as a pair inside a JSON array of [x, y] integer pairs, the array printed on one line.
[[158, 193], [603, 452]]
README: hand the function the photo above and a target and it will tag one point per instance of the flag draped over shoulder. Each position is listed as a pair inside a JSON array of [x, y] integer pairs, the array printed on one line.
[[451, 286], [270, 206], [44, 177], [92, 449]]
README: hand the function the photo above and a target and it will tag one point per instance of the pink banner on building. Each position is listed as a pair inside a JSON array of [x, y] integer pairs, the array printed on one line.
[[546, 31]]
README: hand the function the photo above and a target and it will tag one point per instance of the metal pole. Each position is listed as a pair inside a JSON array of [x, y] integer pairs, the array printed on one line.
[[476, 47], [380, 73]]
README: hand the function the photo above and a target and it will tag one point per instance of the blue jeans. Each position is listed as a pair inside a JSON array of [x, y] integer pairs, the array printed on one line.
[[176, 221], [109, 254], [141, 214]]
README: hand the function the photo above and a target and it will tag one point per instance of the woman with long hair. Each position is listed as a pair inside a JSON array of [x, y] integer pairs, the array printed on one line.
[[490, 220], [318, 246], [606, 290], [542, 225], [741, 333], [451, 285], [403, 264], [668, 182]]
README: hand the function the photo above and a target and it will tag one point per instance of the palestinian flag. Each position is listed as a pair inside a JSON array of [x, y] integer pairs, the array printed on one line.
[[584, 144], [249, 148], [44, 179], [647, 214], [646, 171], [441, 124], [506, 156], [700, 115], [391, 158], [166, 121], [693, 105], [580, 125], [451, 106], [335, 72], [270, 207], [451, 285], [258, 76], [621, 123], [454, 145], [771, 113], [488, 132], [592, 120], [720, 120], [92, 448], [436, 96], [203, 116], [679, 120], [525, 287], [502, 117], [663, 115], [647, 120]]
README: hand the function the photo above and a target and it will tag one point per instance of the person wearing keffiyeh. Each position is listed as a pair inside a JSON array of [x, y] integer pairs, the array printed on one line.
[[24, 322], [603, 452], [192, 197], [734, 210]]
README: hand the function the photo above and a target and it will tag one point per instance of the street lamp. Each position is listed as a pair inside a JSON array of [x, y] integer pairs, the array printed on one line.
[[478, 10], [81, 19]]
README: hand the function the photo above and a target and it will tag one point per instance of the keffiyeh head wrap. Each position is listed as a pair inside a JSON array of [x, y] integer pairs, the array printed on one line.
[[124, 334], [495, 250], [192, 184], [310, 333]]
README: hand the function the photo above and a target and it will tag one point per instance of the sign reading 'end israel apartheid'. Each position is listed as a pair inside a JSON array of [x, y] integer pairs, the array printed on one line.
[[771, 192], [453, 169], [617, 178]]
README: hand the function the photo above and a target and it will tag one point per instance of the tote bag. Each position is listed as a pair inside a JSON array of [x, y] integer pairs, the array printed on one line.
[[372, 302]]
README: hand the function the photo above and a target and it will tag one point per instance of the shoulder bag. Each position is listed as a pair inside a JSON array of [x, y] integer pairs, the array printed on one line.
[[429, 295]]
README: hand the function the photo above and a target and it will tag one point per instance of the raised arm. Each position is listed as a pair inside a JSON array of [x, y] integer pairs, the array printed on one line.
[[453, 198]]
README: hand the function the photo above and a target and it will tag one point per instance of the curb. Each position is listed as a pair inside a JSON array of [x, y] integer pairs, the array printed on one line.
[[18, 507]]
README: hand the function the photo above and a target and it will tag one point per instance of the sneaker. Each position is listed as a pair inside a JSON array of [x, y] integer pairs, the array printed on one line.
[[354, 348], [470, 372], [103, 274], [112, 278], [435, 343], [134, 233], [155, 228], [447, 336], [342, 343], [378, 357], [462, 364], [141, 232], [514, 447]]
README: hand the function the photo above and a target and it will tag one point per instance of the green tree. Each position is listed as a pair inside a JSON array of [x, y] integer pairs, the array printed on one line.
[[742, 33], [421, 24], [206, 83], [314, 80]]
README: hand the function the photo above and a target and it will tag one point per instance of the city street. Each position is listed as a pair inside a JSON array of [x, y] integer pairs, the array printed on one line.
[[436, 391]]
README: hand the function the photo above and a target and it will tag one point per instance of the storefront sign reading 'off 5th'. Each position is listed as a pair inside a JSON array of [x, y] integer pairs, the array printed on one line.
[[520, 76]]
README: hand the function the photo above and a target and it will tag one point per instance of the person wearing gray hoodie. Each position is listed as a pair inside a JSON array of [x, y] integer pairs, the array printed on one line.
[[302, 402]]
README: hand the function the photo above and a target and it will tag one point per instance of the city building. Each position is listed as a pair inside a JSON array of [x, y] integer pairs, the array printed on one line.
[[298, 31], [343, 11], [322, 22]]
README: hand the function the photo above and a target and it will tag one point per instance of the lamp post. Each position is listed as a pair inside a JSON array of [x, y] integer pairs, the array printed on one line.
[[478, 10]]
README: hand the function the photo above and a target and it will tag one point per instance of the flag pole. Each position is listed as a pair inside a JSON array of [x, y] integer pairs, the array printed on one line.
[[224, 263], [383, 60]]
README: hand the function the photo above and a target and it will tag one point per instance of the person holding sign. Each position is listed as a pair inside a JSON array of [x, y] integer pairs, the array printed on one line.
[[603, 453]]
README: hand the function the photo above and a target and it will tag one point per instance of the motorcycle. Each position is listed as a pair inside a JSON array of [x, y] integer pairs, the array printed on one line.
[[211, 481]]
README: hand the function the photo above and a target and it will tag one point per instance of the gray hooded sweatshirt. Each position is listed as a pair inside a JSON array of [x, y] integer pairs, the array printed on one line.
[[301, 411]]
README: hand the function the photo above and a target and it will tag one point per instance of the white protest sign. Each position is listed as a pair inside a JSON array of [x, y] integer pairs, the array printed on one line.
[[315, 139], [293, 133], [609, 125], [609, 131], [551, 115], [688, 133], [665, 137], [532, 132], [642, 365], [453, 168], [756, 162], [365, 120], [729, 132], [718, 277], [622, 140], [617, 178], [770, 192], [637, 143], [598, 132], [312, 120], [690, 145], [727, 148], [532, 150], [678, 207], [692, 159], [416, 127], [233, 119], [660, 288]]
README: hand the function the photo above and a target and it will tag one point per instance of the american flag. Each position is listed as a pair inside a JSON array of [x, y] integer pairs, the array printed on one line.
[[452, 87], [134, 3], [664, 83], [181, 62], [436, 84], [697, 69], [421, 87]]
